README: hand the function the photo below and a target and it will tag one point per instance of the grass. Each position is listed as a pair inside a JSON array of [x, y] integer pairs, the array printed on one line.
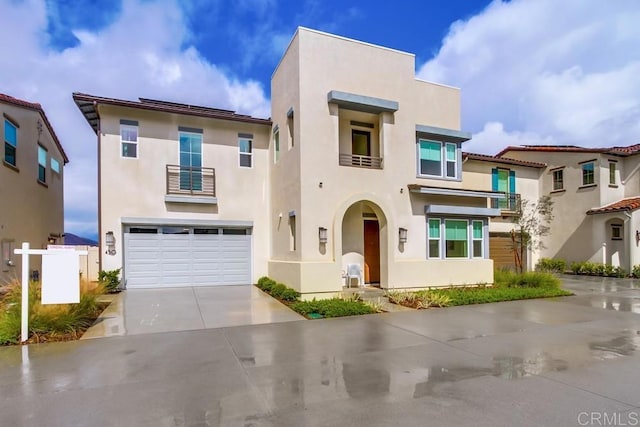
[[56, 322], [508, 286]]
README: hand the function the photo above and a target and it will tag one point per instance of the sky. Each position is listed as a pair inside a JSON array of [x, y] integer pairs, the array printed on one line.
[[530, 71]]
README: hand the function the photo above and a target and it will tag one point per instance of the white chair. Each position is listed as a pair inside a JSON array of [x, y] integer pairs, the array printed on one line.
[[354, 272]]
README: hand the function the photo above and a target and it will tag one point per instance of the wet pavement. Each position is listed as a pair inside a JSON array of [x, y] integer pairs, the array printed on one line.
[[562, 361]]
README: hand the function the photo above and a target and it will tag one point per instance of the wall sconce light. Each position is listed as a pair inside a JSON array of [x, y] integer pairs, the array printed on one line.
[[110, 241], [322, 235], [402, 235]]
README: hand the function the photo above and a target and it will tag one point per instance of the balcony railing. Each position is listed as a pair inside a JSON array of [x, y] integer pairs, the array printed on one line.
[[191, 181], [510, 205], [360, 161]]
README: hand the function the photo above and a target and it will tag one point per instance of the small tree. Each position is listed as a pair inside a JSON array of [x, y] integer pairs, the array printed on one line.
[[530, 226]]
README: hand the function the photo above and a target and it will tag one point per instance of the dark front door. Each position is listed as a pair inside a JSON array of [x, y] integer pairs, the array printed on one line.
[[371, 252]]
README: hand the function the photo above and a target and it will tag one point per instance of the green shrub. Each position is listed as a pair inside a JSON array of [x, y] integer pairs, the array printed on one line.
[[576, 267], [529, 279], [262, 281], [334, 307], [551, 265], [289, 295], [268, 284], [598, 269], [464, 296], [635, 271], [109, 279], [277, 290]]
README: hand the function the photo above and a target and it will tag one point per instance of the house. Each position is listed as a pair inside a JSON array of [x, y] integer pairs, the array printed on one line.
[[596, 196], [31, 183], [360, 164]]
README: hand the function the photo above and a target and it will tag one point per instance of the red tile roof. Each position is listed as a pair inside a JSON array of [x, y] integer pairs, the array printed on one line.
[[616, 151], [630, 204], [88, 103], [36, 107], [502, 160]]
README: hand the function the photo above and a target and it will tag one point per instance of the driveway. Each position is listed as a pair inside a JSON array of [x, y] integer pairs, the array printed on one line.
[[144, 311], [540, 362]]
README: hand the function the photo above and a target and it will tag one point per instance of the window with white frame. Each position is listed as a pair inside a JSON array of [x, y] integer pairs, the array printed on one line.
[[129, 140], [10, 142], [437, 159], [612, 173], [434, 238], [588, 173], [558, 179], [456, 238], [55, 165], [42, 164], [245, 150]]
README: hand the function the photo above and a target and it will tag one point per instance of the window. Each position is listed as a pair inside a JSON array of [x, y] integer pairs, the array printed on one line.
[[558, 179], [292, 232], [55, 165], [456, 238], [434, 238], [205, 231], [504, 181], [129, 140], [42, 164], [10, 142], [191, 161], [290, 128], [245, 148], [437, 160], [276, 145], [616, 231], [612, 173], [588, 177], [360, 142], [477, 237]]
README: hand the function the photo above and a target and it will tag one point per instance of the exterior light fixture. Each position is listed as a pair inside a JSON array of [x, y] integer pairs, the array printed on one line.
[[110, 242], [402, 235], [322, 235]]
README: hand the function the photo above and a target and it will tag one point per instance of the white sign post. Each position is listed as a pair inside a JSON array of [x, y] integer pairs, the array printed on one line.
[[60, 279]]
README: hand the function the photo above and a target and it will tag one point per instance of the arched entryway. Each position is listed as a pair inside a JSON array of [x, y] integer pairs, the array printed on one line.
[[364, 241]]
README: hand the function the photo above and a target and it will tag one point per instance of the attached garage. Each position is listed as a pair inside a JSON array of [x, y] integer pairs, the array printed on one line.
[[174, 256]]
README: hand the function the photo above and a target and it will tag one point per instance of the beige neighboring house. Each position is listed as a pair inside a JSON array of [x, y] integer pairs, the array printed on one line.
[[360, 165], [596, 195], [31, 184]]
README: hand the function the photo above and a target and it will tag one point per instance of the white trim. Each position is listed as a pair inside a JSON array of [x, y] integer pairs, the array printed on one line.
[[133, 221], [129, 127], [243, 153]]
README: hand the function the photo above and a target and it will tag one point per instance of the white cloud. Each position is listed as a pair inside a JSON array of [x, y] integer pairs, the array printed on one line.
[[564, 71], [141, 54]]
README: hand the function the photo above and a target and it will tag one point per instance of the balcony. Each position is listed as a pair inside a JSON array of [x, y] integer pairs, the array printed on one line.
[[355, 160], [510, 205], [190, 184]]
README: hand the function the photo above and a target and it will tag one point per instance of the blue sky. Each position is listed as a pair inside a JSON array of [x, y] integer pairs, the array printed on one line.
[[530, 71]]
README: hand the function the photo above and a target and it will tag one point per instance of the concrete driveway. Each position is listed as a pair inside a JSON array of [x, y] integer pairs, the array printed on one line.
[[145, 311], [559, 362]]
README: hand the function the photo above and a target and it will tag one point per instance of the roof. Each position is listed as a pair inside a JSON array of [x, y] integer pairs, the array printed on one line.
[[630, 204], [88, 106], [616, 151], [36, 107], [502, 160]]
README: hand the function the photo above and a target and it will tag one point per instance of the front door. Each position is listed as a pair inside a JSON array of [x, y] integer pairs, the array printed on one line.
[[371, 252]]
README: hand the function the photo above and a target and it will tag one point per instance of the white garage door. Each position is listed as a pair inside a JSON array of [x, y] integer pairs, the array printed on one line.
[[183, 256]]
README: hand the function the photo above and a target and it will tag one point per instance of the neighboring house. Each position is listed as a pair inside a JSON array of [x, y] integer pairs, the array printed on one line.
[[361, 163], [31, 183], [596, 195], [519, 180]]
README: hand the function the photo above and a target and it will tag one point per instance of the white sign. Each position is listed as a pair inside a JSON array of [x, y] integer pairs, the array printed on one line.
[[60, 277]]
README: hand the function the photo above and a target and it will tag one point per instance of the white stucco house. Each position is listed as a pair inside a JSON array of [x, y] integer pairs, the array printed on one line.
[[360, 163]]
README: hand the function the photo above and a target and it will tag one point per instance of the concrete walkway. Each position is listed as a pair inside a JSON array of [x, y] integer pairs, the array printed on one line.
[[551, 362], [145, 311]]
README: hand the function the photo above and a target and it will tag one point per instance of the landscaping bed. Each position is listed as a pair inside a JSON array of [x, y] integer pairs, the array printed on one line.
[[316, 309], [47, 323], [508, 286]]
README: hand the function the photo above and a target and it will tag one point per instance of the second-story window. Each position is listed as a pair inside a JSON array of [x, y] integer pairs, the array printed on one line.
[[10, 142], [612, 173], [129, 140], [588, 174], [42, 164], [276, 145], [55, 165], [190, 160], [437, 159], [245, 150], [558, 179]]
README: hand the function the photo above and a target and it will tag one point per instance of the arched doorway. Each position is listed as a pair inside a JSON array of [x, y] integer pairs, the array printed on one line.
[[364, 241]]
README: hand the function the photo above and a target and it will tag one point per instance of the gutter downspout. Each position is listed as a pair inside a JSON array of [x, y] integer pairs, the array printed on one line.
[[630, 239]]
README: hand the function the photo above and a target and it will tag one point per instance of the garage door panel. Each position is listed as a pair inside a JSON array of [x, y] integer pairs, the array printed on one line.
[[157, 260]]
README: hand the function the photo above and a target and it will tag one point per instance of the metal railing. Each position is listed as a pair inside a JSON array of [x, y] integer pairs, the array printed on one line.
[[360, 161], [511, 204], [191, 180]]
